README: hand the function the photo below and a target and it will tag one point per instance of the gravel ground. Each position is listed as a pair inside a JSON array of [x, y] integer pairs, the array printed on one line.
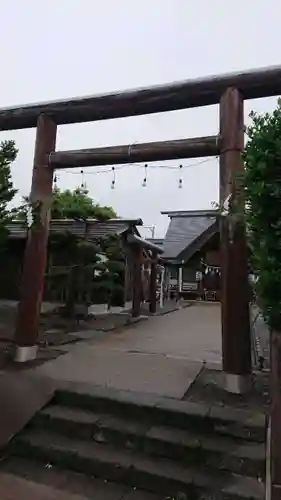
[[207, 388]]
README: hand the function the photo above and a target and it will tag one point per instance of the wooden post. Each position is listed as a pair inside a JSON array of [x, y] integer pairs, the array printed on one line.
[[152, 284], [236, 340], [180, 279], [162, 284], [126, 280], [26, 335], [179, 285], [137, 280]]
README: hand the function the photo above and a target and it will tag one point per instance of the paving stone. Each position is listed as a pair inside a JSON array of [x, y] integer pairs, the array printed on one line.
[[68, 481], [22, 395], [230, 485], [238, 415], [174, 436], [244, 488], [161, 341], [165, 468], [239, 423], [71, 414], [81, 448], [12, 487], [142, 495], [126, 426], [141, 399], [253, 451], [184, 407], [86, 389], [67, 421], [219, 454]]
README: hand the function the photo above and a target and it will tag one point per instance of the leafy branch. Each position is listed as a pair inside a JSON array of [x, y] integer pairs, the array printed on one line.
[[8, 154], [262, 187]]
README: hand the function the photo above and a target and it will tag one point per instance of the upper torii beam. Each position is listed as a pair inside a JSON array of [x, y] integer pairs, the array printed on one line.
[[191, 93]]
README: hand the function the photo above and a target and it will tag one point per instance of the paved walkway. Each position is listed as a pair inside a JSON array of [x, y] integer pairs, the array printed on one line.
[[162, 355]]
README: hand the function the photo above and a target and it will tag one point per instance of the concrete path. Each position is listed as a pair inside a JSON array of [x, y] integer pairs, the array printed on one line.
[[162, 355]]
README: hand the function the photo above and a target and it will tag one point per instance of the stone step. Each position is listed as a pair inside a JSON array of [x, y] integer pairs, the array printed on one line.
[[13, 487], [199, 417], [221, 453], [33, 477], [134, 469]]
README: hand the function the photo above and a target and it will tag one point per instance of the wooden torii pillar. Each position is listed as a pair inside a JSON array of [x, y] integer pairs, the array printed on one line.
[[27, 326], [236, 339], [138, 244]]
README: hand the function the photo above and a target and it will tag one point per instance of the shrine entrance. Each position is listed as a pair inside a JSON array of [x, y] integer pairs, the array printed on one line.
[[229, 91]]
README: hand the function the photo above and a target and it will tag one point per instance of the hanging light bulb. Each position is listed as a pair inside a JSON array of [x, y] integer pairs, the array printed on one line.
[[83, 183], [113, 180], [180, 178], [144, 182]]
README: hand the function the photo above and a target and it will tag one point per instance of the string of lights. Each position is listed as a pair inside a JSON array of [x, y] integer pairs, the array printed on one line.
[[114, 169], [137, 165]]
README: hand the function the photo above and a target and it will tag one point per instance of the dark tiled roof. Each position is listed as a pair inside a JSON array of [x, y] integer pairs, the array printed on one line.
[[93, 228], [185, 229], [191, 213]]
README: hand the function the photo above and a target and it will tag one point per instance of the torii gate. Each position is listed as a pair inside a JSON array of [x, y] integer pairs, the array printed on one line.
[[227, 90]]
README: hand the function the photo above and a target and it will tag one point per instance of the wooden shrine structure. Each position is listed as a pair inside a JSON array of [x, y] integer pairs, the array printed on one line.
[[229, 91]]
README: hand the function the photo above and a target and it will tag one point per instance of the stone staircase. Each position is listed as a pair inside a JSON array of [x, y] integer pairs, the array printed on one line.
[[101, 443]]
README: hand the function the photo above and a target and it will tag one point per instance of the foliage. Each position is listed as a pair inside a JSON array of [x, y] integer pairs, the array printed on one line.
[[262, 183], [8, 154], [86, 266], [88, 274], [92, 272], [78, 204], [75, 204]]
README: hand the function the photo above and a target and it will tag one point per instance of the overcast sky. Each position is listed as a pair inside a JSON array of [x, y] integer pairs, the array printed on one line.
[[67, 48]]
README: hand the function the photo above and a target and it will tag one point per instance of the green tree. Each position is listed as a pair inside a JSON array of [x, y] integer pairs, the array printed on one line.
[[93, 269], [76, 204], [262, 183], [8, 154]]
